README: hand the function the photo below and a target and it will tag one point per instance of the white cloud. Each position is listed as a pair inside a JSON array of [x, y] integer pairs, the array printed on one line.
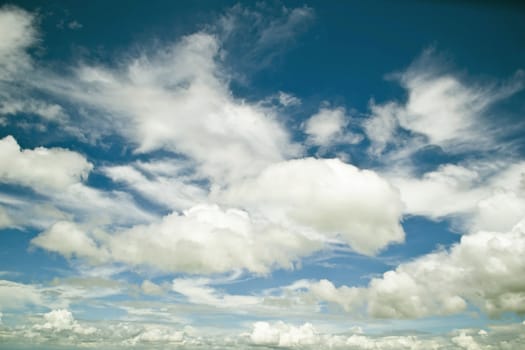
[[283, 335], [44, 169], [151, 288], [157, 334], [481, 269], [31, 106], [441, 107], [198, 291], [178, 99], [482, 197], [58, 174], [327, 128], [69, 240], [288, 100], [466, 342], [205, 239], [170, 189], [328, 196], [381, 126], [17, 33], [16, 295], [347, 297], [445, 109], [63, 320], [5, 219]]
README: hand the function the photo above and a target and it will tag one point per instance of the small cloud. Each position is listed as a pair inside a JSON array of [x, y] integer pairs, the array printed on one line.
[[288, 100], [74, 25], [328, 127]]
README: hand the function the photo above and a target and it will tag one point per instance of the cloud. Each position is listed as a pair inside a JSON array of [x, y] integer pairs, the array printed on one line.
[[198, 291], [381, 126], [151, 288], [446, 110], [204, 239], [5, 219], [481, 270], [44, 169], [288, 100], [229, 139], [161, 182], [58, 175], [17, 33], [69, 240], [16, 295], [283, 335], [63, 320], [327, 128], [330, 197], [480, 195], [441, 109]]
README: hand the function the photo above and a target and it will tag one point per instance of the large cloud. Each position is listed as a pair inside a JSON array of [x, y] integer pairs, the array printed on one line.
[[205, 239], [482, 269], [327, 196], [178, 99]]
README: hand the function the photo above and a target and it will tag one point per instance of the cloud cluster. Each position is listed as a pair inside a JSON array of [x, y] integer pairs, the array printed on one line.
[[481, 269], [59, 327], [239, 194], [58, 175], [62, 320]]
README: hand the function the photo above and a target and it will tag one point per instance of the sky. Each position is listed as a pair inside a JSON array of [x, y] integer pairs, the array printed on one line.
[[262, 175]]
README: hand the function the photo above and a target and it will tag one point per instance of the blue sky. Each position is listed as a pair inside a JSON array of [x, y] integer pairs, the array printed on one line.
[[345, 175]]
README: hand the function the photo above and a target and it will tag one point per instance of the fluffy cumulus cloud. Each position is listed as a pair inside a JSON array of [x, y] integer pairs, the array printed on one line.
[[481, 269], [305, 204], [283, 335], [59, 175], [328, 127], [204, 239], [327, 196], [69, 240], [63, 320], [44, 169]]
